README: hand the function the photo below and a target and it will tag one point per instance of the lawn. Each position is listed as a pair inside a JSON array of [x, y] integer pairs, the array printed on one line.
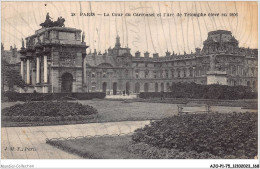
[[105, 147], [112, 111]]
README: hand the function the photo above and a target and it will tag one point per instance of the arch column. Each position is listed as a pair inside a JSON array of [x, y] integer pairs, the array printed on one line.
[[37, 69], [28, 71], [22, 68], [45, 69]]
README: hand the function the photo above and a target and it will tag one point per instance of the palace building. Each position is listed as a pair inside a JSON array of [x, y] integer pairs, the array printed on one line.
[[55, 60]]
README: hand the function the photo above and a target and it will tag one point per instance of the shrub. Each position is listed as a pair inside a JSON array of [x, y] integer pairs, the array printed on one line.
[[233, 134], [198, 91], [15, 96], [49, 108], [151, 152]]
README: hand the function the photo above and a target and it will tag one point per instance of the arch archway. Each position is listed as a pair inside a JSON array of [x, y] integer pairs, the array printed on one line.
[[114, 88], [66, 83], [162, 87], [146, 87], [127, 88], [137, 87], [248, 84], [168, 86], [104, 87], [156, 87]]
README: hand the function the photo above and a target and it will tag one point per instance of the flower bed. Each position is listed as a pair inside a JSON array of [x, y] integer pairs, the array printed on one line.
[[232, 135], [48, 112], [49, 108]]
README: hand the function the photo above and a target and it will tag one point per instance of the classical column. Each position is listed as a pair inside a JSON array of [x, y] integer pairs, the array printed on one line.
[[22, 69], [84, 69], [45, 69], [28, 71], [37, 69]]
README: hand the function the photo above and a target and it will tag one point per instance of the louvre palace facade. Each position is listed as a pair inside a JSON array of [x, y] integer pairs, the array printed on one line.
[[54, 59]]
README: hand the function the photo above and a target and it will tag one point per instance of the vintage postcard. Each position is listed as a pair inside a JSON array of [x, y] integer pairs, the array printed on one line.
[[129, 80]]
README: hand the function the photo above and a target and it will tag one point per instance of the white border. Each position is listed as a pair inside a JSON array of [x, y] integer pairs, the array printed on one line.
[[81, 163]]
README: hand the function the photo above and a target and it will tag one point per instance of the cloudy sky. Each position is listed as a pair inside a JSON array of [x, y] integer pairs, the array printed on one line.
[[153, 34]]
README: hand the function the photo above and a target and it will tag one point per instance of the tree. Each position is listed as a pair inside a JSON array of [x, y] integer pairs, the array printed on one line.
[[10, 76]]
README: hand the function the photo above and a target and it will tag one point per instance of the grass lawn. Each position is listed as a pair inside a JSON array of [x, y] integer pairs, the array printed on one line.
[[105, 147], [119, 111], [112, 111]]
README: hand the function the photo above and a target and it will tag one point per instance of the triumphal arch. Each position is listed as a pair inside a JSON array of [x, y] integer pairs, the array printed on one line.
[[53, 58]]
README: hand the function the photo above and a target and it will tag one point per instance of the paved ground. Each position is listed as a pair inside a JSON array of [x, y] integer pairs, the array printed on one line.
[[121, 96], [25, 140]]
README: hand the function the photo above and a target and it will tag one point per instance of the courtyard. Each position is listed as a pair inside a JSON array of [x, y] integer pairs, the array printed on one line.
[[115, 117]]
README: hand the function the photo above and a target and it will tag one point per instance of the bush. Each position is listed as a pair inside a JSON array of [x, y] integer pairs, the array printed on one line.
[[150, 152], [48, 108], [197, 91], [218, 134], [15, 96]]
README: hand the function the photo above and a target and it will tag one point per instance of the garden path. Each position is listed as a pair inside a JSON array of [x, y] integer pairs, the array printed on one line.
[[30, 142]]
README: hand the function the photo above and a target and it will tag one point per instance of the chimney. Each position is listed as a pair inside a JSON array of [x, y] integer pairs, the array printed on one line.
[[172, 54], [168, 54], [11, 47], [155, 55], [137, 54], [146, 54]]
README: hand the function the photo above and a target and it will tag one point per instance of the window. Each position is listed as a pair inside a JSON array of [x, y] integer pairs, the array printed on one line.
[[146, 64], [179, 73], [93, 74], [154, 65], [155, 74], [126, 73], [184, 73], [167, 74], [161, 74], [191, 72], [136, 73], [253, 71], [173, 73], [146, 74], [104, 74]]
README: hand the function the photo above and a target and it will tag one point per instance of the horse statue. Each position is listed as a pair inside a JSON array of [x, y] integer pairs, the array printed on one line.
[[49, 23], [59, 23]]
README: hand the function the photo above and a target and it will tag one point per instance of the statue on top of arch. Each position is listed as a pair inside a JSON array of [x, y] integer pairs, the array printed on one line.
[[49, 23]]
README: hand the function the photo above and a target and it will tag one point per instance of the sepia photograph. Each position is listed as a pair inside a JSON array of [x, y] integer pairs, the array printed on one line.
[[129, 80]]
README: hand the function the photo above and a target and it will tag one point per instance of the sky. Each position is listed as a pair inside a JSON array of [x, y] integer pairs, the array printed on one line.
[[155, 34]]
